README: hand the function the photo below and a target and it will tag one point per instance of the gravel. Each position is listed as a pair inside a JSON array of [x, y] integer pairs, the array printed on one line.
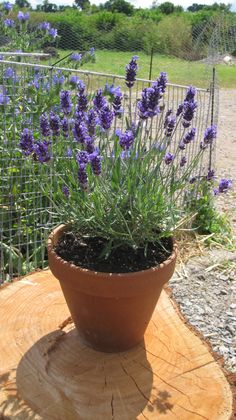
[[206, 295], [207, 298]]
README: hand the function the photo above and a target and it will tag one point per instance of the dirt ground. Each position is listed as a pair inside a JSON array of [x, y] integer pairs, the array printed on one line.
[[226, 150]]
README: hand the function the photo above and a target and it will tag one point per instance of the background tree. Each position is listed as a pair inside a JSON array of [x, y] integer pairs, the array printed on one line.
[[22, 3], [120, 6], [167, 8], [82, 4]]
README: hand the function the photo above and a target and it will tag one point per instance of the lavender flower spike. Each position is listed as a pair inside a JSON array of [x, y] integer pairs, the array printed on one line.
[[188, 137], [65, 101], [54, 122], [210, 134], [96, 164], [106, 117], [41, 150], [27, 142], [126, 139], [83, 177], [168, 158], [131, 71], [44, 125], [224, 185], [190, 95], [99, 100]]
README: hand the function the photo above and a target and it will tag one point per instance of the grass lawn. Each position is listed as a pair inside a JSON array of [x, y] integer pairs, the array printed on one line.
[[179, 71]]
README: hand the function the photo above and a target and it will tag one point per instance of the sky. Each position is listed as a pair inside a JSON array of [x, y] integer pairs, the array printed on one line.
[[145, 3]]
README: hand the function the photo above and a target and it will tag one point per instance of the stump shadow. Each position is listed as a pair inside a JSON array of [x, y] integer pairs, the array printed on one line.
[[61, 378]]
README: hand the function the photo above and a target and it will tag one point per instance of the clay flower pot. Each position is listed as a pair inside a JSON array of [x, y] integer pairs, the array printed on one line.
[[110, 311]]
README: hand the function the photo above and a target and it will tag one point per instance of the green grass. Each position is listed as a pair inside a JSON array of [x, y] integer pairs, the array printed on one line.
[[179, 71]]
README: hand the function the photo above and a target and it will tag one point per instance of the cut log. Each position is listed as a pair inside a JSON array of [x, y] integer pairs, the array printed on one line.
[[46, 372]]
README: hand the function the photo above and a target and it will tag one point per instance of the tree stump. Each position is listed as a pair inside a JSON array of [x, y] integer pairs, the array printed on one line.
[[46, 372]]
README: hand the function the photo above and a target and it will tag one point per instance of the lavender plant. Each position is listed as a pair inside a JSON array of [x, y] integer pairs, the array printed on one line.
[[20, 34], [123, 186]]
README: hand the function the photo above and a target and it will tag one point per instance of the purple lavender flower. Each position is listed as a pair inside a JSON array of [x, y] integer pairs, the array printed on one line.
[[54, 122], [169, 125], [80, 132], [45, 26], [7, 6], [183, 161], [106, 117], [73, 80], [23, 17], [99, 100], [76, 57], [4, 99], [65, 127], [9, 23], [210, 175], [148, 105], [193, 179], [92, 121], [168, 158], [27, 142], [82, 157], [126, 139], [58, 79], [162, 81], [65, 191], [65, 101], [190, 95], [82, 101], [179, 110], [114, 90], [188, 112], [125, 154], [89, 145], [188, 137], [117, 101], [69, 153], [96, 164], [210, 134], [41, 151], [224, 185], [52, 32], [92, 51], [131, 71], [83, 177], [44, 125], [9, 73], [182, 145]]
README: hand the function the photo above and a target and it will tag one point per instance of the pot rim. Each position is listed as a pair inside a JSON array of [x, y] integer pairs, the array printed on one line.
[[86, 271]]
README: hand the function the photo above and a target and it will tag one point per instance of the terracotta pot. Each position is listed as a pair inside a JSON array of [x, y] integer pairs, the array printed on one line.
[[110, 311]]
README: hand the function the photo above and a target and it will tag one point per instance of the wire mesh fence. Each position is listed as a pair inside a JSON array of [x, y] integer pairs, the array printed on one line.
[[26, 91]]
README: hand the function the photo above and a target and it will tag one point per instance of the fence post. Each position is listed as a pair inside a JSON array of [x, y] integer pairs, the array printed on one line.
[[212, 110], [150, 65]]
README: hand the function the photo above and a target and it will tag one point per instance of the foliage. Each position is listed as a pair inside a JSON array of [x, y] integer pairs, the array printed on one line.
[[120, 6], [208, 221], [21, 36], [121, 186]]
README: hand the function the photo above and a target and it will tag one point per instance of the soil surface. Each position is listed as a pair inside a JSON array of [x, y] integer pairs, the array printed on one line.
[[86, 253]]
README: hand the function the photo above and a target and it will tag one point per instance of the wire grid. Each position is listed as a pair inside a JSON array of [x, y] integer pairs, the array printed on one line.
[[25, 219], [24, 57]]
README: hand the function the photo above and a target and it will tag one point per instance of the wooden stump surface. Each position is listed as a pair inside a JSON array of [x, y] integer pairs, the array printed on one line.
[[47, 373]]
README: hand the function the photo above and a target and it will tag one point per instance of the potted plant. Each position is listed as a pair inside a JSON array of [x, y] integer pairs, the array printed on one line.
[[116, 196]]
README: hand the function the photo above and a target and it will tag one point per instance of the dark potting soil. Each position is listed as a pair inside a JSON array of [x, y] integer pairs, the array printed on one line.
[[85, 252]]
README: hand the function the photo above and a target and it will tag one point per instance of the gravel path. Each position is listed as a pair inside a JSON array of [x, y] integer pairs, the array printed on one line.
[[205, 287]]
